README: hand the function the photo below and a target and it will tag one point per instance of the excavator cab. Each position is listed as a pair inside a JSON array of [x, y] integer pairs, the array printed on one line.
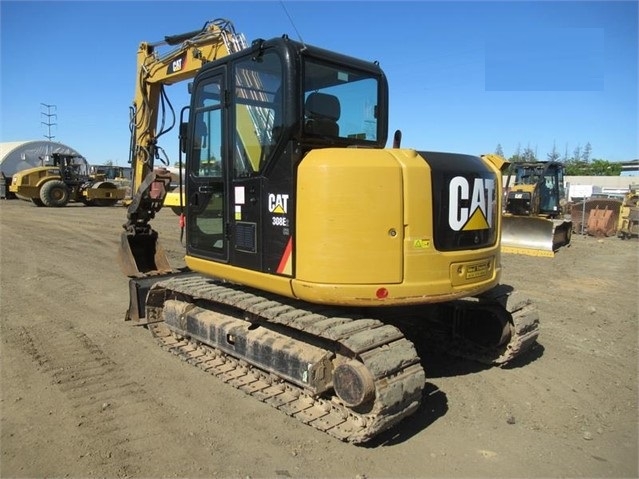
[[254, 122]]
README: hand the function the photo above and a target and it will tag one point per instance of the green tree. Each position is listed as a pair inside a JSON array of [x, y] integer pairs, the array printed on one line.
[[600, 167], [554, 154], [516, 158], [499, 150], [576, 168], [596, 167], [576, 155], [585, 154], [529, 154], [575, 165], [615, 169]]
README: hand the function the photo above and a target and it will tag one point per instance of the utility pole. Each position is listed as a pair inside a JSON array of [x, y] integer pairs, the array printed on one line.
[[50, 117]]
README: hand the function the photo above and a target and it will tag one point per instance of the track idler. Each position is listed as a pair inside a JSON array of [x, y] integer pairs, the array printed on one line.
[[495, 327], [354, 384], [492, 328], [481, 327]]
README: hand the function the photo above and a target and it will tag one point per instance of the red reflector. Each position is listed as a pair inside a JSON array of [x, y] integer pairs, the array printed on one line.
[[381, 293]]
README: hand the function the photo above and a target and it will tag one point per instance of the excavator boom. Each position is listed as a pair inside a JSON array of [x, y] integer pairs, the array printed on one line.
[[140, 253]]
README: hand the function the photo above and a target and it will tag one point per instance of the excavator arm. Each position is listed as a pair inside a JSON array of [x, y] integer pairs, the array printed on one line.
[[140, 252]]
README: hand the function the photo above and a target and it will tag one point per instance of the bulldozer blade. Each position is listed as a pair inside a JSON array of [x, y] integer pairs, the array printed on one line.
[[534, 236], [142, 254]]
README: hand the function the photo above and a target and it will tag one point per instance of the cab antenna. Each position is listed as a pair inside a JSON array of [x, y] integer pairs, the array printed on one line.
[[292, 23]]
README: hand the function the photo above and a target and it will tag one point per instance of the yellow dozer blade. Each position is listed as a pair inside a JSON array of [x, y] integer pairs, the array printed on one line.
[[534, 236]]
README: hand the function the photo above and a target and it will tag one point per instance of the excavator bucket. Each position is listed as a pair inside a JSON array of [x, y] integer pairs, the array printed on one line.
[[144, 260], [534, 236], [142, 254]]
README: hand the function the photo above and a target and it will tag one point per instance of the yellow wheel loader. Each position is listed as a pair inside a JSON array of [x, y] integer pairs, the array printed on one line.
[[628, 224], [66, 180], [534, 222], [319, 262]]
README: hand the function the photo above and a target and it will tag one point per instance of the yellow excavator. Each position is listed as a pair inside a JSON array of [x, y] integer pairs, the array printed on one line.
[[318, 262], [534, 221]]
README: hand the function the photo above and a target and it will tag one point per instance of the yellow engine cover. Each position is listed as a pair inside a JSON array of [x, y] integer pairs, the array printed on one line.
[[348, 231], [364, 233]]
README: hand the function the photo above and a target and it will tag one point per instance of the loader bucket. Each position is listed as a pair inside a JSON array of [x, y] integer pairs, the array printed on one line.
[[142, 254], [534, 236]]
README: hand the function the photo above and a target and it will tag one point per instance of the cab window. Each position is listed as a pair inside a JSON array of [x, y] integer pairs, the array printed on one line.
[[339, 102], [257, 109], [207, 138]]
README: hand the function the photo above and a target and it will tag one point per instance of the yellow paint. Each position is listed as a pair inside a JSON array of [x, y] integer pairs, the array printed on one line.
[[528, 251], [349, 204]]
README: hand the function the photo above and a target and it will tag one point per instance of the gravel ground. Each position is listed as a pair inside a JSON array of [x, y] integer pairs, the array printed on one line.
[[85, 394]]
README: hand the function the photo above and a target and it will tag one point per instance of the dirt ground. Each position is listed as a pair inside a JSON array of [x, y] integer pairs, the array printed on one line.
[[85, 394]]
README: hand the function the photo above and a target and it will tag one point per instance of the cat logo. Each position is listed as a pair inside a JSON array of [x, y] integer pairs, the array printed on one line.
[[470, 207], [278, 203], [177, 65]]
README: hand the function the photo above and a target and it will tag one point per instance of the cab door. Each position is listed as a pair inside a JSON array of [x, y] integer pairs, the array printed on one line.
[[207, 195], [255, 128]]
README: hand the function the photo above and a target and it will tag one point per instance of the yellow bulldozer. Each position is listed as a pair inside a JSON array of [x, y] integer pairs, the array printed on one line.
[[534, 221]]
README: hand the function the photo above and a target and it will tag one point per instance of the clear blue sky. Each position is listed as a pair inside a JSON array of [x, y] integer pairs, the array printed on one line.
[[464, 76]]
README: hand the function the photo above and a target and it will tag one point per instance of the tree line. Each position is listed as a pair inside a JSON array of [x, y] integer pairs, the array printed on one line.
[[580, 163]]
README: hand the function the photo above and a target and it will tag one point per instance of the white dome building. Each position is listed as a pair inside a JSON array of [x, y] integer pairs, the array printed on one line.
[[19, 155]]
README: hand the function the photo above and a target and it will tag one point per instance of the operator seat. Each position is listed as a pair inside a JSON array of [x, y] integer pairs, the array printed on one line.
[[322, 112]]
